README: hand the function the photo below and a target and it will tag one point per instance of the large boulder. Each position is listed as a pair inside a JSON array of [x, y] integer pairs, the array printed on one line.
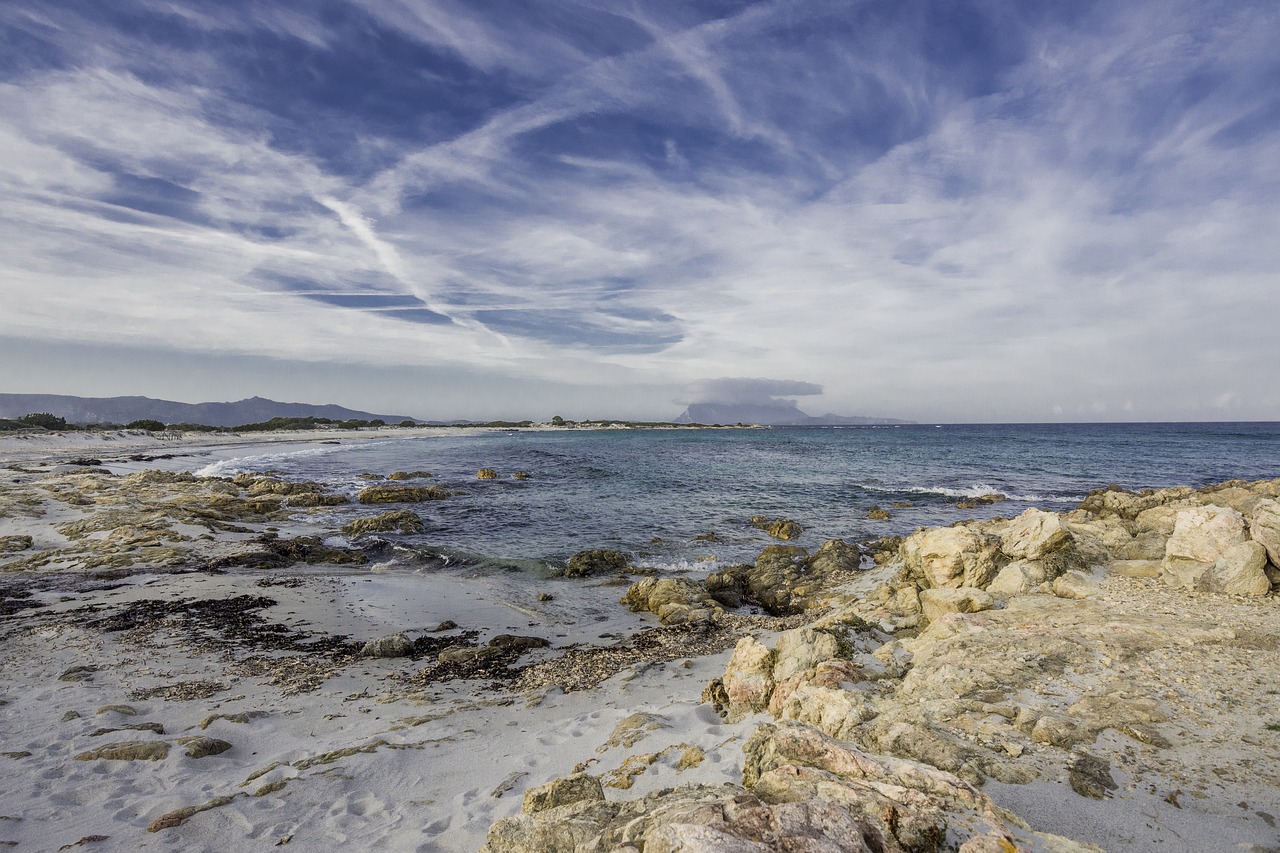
[[1034, 535], [1210, 551], [951, 557], [747, 683], [1204, 533], [1264, 528], [675, 601], [1242, 570]]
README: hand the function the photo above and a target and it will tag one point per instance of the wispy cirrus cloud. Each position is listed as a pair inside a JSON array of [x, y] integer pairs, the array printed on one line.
[[987, 211]]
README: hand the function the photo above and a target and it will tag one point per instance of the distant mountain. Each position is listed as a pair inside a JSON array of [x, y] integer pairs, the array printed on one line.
[[123, 410], [772, 413]]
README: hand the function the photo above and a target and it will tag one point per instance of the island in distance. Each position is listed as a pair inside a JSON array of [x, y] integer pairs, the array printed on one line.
[[771, 413]]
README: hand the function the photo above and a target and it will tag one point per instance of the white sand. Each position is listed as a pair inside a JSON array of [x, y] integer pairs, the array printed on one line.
[[443, 761], [429, 783]]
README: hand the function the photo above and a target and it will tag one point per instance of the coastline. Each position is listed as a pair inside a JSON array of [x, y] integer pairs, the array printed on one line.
[[329, 746]]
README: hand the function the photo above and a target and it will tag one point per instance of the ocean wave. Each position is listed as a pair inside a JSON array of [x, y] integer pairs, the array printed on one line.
[[975, 491], [240, 464]]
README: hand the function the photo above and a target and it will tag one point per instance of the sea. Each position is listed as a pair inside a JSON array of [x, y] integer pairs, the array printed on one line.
[[682, 500]]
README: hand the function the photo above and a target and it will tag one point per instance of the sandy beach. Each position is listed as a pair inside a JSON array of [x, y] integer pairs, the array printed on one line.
[[186, 668]]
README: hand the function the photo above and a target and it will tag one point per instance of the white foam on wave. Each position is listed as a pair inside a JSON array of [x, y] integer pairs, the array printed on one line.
[[977, 490], [240, 464], [681, 566]]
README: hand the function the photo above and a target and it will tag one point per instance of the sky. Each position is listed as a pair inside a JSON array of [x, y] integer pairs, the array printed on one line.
[[938, 210]]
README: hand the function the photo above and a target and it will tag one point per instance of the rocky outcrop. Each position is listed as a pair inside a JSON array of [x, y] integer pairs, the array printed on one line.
[[786, 578], [1210, 551], [675, 601], [952, 557], [802, 792]]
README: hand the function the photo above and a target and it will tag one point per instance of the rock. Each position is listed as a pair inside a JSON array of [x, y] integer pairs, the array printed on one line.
[[83, 672], [486, 474], [786, 578], [521, 475], [401, 494], [747, 682], [1090, 776], [574, 789], [129, 750], [936, 603], [981, 500], [1075, 585], [801, 649], [1135, 568], [878, 514], [831, 710], [728, 586], [632, 729], [518, 643], [1264, 528], [1241, 570], [835, 558], [390, 646], [595, 560], [313, 499], [779, 528], [468, 654], [402, 520], [1034, 535], [951, 557], [14, 544], [1203, 534], [805, 792], [676, 601], [408, 475], [1210, 551], [1019, 577], [1058, 730], [199, 746]]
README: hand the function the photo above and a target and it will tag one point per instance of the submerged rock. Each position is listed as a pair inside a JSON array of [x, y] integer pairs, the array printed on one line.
[[401, 494], [779, 528], [402, 520], [594, 561]]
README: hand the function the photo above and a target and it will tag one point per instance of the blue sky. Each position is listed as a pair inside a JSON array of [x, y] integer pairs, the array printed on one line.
[[944, 211]]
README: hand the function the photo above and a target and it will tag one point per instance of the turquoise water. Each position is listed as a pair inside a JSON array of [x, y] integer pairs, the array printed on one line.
[[652, 492]]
